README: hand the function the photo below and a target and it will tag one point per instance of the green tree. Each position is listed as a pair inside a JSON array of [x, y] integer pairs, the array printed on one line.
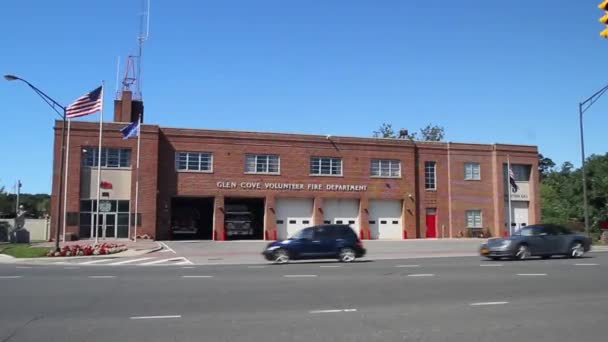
[[432, 133], [545, 166], [385, 131], [429, 133]]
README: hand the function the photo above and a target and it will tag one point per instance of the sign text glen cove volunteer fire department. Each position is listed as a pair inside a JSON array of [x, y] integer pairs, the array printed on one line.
[[290, 186]]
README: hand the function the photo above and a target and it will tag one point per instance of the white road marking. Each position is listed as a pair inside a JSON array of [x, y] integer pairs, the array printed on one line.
[[160, 261], [330, 266], [488, 303], [586, 264], [156, 317], [421, 275], [256, 266], [71, 268], [61, 263], [197, 276], [94, 261], [185, 262], [101, 277], [129, 261], [10, 277], [300, 275], [188, 267], [23, 267], [407, 266], [532, 274], [167, 247], [332, 311], [491, 265]]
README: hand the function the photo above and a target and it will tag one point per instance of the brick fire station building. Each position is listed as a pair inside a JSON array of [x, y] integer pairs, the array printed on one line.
[[225, 185]]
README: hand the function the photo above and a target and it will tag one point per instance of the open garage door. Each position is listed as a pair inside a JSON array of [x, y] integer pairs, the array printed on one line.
[[342, 211], [292, 214], [385, 219]]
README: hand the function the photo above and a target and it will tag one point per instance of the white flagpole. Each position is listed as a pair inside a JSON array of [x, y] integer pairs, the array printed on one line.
[[99, 166], [509, 186], [65, 181], [137, 178]]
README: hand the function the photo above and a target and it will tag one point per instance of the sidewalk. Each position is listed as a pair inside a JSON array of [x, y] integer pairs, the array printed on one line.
[[134, 249]]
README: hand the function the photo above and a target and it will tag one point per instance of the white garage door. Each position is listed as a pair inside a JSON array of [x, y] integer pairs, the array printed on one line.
[[385, 219], [342, 211], [292, 214]]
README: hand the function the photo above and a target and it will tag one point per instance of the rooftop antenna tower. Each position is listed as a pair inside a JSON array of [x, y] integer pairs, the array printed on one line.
[[132, 77]]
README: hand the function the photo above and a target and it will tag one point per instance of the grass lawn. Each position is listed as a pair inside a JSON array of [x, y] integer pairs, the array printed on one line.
[[22, 250]]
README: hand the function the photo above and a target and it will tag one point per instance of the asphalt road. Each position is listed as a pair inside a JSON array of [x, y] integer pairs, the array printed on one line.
[[440, 299]]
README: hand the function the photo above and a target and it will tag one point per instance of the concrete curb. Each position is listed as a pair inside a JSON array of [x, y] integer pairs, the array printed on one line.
[[126, 254]]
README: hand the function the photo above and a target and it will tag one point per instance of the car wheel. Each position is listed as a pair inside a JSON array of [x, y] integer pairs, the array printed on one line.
[[523, 252], [347, 255], [281, 256], [577, 250]]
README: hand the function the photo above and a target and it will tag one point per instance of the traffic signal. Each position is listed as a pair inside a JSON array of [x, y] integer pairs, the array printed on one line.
[[604, 19]]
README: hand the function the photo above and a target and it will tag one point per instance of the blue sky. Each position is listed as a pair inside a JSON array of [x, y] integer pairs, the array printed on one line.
[[488, 71]]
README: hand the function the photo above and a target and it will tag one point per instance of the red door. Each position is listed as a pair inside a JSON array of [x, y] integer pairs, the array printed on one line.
[[431, 223]]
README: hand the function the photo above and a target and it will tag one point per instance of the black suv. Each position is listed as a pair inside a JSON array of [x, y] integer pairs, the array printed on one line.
[[317, 242]]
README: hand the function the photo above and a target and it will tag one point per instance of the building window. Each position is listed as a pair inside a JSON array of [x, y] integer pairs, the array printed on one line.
[[326, 166], [430, 175], [193, 161], [110, 157], [385, 168], [473, 218], [471, 171], [521, 172], [262, 163]]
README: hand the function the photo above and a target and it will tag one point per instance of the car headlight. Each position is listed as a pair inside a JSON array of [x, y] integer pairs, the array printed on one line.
[[272, 248]]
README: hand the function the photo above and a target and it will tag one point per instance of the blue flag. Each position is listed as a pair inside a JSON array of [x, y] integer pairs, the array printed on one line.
[[130, 130]]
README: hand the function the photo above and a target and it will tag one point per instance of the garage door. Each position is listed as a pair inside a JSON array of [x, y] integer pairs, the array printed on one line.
[[385, 219], [342, 211], [292, 214]]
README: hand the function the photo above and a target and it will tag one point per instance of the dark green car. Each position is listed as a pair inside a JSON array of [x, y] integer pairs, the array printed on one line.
[[543, 240]]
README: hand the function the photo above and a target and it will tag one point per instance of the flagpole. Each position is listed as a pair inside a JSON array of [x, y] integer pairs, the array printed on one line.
[[137, 178], [509, 186], [96, 231], [65, 181]]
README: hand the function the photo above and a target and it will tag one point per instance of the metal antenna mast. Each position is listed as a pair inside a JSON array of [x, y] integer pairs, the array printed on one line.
[[134, 62]]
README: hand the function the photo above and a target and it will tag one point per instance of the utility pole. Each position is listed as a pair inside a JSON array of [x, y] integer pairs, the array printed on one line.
[[17, 193]]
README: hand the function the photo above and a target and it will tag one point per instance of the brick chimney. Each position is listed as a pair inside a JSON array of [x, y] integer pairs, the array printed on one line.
[[126, 109]]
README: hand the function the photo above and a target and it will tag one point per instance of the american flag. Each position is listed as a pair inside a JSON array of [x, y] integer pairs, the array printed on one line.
[[88, 103], [514, 186]]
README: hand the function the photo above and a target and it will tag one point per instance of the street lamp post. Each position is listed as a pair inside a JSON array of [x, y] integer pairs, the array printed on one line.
[[60, 110], [582, 108]]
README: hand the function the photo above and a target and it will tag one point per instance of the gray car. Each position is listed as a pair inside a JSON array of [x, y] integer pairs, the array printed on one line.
[[544, 240]]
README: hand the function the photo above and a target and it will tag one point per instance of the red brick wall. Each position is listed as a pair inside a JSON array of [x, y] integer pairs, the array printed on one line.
[[159, 181], [295, 151]]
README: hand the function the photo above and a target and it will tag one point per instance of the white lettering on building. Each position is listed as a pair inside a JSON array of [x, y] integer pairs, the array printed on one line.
[[291, 186]]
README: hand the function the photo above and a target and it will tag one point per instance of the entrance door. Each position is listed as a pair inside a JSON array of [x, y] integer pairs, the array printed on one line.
[[431, 223], [106, 227]]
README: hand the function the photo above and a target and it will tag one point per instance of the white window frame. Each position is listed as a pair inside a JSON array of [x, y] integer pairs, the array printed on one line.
[[177, 154], [381, 162], [473, 212], [255, 163], [471, 175], [434, 175], [94, 150], [331, 164]]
